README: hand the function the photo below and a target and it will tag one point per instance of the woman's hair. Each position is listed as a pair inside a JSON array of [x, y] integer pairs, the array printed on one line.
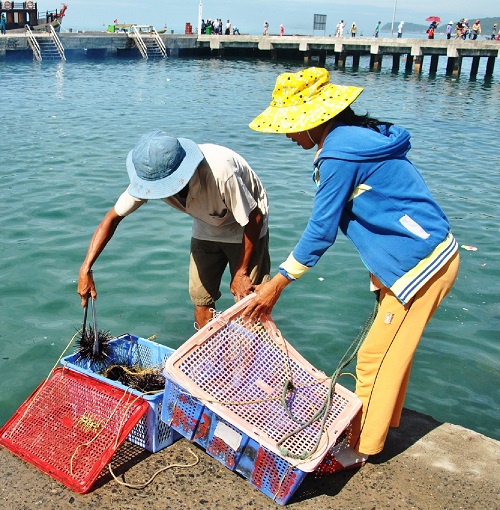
[[350, 118]]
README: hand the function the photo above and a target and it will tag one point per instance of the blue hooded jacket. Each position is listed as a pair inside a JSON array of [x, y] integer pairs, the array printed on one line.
[[369, 189]]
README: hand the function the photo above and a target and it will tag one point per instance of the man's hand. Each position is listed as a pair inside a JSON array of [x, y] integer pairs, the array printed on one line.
[[86, 286], [241, 285], [103, 233]]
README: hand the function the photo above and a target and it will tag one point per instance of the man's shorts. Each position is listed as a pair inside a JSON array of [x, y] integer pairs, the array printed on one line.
[[209, 259]]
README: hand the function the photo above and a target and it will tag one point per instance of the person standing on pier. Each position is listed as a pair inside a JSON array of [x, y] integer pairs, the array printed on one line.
[[266, 28], [476, 30], [354, 29], [431, 29], [220, 191], [367, 188], [3, 24], [377, 29], [339, 31], [494, 32], [449, 28], [400, 29]]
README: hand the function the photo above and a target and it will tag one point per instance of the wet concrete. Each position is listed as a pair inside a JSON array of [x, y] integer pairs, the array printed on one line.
[[425, 465]]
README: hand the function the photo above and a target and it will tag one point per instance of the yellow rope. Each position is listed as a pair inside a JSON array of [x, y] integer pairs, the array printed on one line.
[[348, 373], [105, 424], [155, 474]]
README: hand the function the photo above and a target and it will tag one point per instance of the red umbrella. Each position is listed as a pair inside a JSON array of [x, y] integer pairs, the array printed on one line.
[[437, 19]]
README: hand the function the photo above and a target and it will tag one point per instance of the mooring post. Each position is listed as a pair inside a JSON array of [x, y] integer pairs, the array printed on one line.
[[340, 59], [322, 58], [355, 60], [457, 68], [490, 66], [474, 67], [375, 57], [450, 65], [395, 61], [434, 64], [409, 64], [418, 58], [417, 67], [454, 63]]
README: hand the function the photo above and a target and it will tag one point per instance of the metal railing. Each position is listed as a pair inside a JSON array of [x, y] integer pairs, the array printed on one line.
[[159, 42], [57, 42], [33, 43], [138, 41]]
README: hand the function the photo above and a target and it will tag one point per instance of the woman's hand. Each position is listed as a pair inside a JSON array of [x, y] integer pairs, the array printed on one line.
[[266, 296]]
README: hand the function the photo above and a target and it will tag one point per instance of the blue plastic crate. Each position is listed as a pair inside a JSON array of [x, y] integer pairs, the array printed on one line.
[[182, 412], [199, 424], [266, 471], [151, 432], [269, 473]]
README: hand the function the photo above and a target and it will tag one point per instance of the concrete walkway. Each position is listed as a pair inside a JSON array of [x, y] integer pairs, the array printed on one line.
[[426, 465]]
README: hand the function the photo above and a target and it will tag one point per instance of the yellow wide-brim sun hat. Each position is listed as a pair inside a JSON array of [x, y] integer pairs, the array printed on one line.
[[304, 100]]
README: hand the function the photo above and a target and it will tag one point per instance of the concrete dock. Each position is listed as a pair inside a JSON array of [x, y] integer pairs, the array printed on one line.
[[426, 465], [347, 51]]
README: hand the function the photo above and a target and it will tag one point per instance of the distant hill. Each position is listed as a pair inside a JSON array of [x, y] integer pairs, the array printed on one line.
[[415, 28]]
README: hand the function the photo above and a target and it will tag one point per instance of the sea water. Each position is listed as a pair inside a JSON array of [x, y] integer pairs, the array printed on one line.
[[66, 129]]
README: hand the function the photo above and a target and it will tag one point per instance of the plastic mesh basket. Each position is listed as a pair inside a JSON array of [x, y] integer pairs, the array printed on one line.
[[268, 472], [151, 432], [71, 426], [252, 377]]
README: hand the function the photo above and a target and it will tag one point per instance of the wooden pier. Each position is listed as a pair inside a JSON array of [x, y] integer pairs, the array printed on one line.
[[346, 51]]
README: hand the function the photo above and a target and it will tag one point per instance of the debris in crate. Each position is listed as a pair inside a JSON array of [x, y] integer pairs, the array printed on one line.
[[146, 380]]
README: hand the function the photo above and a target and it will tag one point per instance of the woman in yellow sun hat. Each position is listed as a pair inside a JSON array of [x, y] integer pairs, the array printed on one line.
[[367, 188]]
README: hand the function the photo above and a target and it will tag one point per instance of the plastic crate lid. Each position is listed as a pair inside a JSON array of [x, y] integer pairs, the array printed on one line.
[[248, 374], [71, 426]]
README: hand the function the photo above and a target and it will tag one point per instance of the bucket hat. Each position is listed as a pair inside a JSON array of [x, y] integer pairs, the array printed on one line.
[[160, 165], [304, 100]]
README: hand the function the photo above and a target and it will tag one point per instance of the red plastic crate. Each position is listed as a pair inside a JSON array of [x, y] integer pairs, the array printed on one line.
[[71, 426], [151, 432]]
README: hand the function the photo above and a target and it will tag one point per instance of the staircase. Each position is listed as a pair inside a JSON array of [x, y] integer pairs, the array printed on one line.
[[152, 48], [149, 43], [45, 45], [48, 48]]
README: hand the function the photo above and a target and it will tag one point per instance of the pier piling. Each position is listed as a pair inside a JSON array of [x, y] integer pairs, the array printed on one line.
[[304, 48]]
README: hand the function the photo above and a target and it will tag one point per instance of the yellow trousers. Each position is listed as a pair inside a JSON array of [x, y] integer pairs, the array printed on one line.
[[386, 355]]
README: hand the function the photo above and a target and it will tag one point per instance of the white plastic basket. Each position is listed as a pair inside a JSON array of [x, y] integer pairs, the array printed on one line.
[[249, 375]]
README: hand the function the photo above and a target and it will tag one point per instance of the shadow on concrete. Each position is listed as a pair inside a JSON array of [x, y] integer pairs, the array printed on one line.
[[127, 456], [413, 427]]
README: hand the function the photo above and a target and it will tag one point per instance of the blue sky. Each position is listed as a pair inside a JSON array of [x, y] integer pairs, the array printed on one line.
[[249, 15]]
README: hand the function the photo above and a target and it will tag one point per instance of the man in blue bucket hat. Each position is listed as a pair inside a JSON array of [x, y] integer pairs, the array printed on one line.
[[226, 199]]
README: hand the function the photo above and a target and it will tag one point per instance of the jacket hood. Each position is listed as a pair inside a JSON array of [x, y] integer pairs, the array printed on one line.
[[353, 143]]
